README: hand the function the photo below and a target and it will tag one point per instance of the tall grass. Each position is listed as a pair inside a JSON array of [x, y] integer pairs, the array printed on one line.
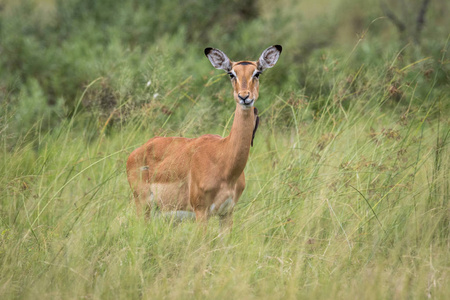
[[346, 203], [347, 183]]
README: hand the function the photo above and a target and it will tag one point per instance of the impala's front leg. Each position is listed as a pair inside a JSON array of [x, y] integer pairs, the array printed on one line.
[[197, 201], [226, 222], [201, 217], [226, 219]]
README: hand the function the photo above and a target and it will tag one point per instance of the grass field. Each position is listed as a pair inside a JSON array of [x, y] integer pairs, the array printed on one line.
[[348, 190]]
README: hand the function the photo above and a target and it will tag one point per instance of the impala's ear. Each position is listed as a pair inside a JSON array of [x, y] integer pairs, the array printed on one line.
[[269, 57], [218, 59]]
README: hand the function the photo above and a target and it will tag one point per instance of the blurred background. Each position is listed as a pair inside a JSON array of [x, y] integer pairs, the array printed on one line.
[[347, 192], [143, 55]]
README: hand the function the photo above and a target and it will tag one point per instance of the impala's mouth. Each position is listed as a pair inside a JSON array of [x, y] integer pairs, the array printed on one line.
[[247, 103]]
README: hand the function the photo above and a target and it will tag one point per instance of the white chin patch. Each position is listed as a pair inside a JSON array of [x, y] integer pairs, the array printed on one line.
[[246, 106]]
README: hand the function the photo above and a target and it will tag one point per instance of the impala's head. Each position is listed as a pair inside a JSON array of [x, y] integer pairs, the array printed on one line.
[[244, 74]]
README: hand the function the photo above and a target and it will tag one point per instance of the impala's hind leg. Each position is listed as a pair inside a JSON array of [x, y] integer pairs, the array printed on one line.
[[139, 183], [143, 198]]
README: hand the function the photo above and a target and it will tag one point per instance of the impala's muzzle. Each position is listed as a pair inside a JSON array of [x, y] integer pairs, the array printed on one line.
[[245, 100], [248, 102]]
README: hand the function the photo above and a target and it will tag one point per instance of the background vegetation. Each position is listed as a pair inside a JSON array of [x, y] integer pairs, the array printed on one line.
[[347, 185]]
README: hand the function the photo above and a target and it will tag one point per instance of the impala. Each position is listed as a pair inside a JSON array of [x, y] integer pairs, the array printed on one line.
[[204, 176]]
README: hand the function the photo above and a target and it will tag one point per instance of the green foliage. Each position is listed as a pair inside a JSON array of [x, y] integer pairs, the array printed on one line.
[[347, 184], [32, 109]]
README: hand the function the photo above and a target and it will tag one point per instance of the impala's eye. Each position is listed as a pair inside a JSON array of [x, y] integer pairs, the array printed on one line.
[[257, 74], [231, 75]]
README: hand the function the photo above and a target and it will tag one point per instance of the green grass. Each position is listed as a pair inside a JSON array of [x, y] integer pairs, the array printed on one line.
[[348, 205], [348, 192]]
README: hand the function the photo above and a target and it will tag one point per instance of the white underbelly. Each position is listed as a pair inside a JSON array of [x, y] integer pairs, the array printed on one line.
[[175, 197], [170, 196]]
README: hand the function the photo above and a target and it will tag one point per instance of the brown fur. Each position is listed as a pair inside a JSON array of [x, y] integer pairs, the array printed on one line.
[[198, 174]]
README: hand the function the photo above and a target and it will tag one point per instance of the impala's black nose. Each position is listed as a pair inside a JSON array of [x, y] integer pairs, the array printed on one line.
[[243, 98]]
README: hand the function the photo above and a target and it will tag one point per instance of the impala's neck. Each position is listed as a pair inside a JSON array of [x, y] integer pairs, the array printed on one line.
[[238, 142]]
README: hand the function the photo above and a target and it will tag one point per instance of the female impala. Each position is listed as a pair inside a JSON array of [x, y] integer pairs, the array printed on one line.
[[202, 176]]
